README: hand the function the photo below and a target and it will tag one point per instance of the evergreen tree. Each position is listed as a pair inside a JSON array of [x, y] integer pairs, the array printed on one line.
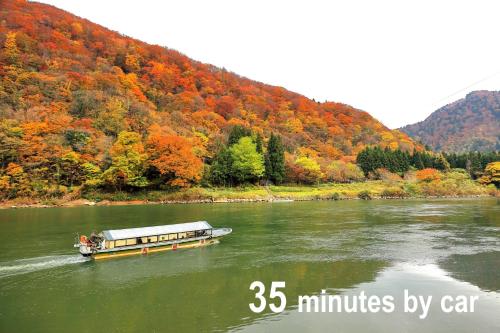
[[419, 164], [237, 132], [258, 143], [441, 163], [362, 160], [220, 170], [275, 160]]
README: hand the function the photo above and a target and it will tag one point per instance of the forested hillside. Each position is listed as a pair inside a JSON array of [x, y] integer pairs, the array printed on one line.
[[469, 124], [80, 104]]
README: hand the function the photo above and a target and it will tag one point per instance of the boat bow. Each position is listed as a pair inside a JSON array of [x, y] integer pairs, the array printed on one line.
[[219, 232]]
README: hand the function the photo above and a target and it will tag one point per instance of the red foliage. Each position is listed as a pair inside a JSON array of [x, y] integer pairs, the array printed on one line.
[[60, 72]]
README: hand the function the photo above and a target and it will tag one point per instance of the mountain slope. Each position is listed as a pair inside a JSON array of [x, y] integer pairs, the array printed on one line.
[[469, 124], [69, 87]]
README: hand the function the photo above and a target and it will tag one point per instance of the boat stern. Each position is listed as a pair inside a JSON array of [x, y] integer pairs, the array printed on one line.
[[84, 246], [85, 250]]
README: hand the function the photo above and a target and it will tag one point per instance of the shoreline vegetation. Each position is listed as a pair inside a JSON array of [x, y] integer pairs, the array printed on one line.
[[247, 170], [88, 115], [372, 189]]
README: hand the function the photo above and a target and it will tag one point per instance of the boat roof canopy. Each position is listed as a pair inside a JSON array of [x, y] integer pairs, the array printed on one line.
[[155, 230]]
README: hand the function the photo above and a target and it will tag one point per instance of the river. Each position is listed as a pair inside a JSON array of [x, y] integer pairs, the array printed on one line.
[[381, 247]]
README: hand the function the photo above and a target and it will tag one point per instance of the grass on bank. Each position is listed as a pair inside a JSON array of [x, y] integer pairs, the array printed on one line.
[[449, 184], [452, 183]]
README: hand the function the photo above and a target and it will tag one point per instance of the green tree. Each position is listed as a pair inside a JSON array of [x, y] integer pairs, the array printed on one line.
[[76, 139], [71, 168], [441, 163], [258, 143], [220, 169], [417, 161], [127, 165], [93, 174], [237, 132], [275, 160], [247, 163]]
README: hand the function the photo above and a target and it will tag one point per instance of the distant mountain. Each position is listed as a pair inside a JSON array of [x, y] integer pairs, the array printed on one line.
[[469, 124]]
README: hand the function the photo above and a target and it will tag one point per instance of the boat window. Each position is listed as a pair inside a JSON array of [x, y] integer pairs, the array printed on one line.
[[182, 235], [110, 244], [190, 234], [120, 242], [152, 239], [200, 233], [163, 238], [131, 241], [172, 236]]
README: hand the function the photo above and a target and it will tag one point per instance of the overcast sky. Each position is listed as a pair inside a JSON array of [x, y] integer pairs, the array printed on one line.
[[398, 60]]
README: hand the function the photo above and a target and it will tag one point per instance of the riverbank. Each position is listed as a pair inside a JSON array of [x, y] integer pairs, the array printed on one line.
[[351, 191]]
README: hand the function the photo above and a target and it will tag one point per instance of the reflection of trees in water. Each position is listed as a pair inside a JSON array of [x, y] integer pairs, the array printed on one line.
[[218, 299], [480, 269]]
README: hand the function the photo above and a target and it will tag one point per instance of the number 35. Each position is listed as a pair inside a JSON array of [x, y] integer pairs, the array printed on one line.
[[272, 294]]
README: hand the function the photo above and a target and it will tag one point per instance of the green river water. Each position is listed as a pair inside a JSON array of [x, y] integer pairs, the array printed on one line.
[[381, 247]]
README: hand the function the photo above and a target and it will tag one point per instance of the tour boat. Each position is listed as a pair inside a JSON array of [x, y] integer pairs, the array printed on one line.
[[125, 242]]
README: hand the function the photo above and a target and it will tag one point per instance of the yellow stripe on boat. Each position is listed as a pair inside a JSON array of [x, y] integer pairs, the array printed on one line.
[[133, 241], [126, 253]]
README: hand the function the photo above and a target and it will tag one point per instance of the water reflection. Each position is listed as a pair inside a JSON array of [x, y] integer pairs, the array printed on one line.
[[480, 269], [424, 280], [382, 247]]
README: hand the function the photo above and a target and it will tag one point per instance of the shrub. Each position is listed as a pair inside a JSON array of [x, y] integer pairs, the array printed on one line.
[[410, 176], [493, 191], [334, 196], [411, 188], [393, 192], [365, 195], [385, 175], [120, 196], [305, 170], [342, 172], [428, 175]]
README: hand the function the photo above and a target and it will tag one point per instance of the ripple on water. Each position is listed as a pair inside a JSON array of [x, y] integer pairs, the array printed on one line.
[[28, 265]]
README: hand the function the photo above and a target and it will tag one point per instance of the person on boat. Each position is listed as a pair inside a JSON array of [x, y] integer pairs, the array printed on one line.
[[93, 237]]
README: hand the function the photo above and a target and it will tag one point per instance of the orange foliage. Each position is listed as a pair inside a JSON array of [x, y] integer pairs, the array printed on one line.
[[428, 175], [67, 84], [174, 158]]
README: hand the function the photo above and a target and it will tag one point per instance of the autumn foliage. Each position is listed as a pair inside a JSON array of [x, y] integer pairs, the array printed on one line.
[[81, 105], [428, 175], [173, 157], [466, 125]]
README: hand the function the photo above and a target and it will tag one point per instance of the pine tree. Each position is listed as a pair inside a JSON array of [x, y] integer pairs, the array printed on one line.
[[258, 143], [220, 170], [237, 132], [275, 160], [417, 160], [441, 163]]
